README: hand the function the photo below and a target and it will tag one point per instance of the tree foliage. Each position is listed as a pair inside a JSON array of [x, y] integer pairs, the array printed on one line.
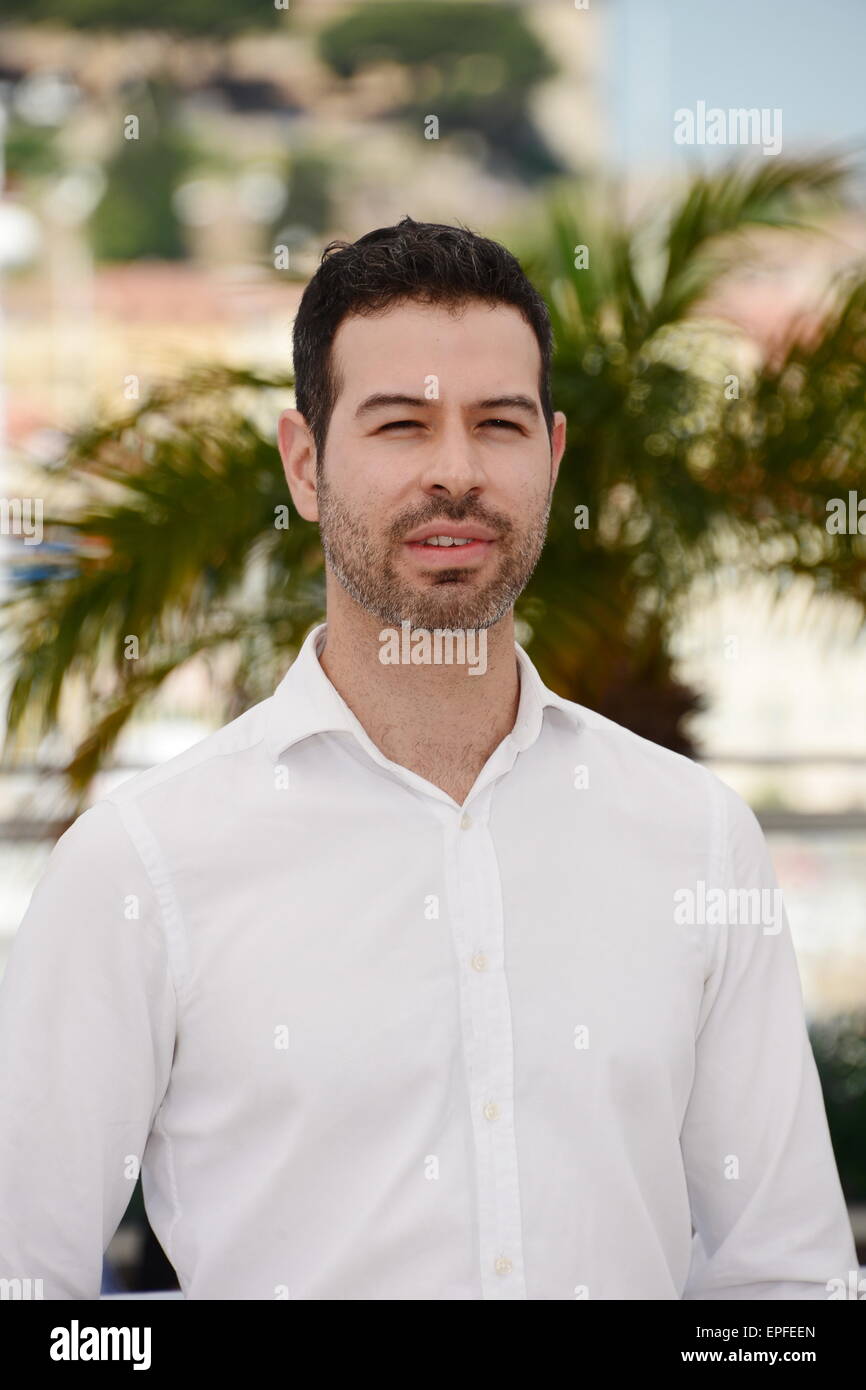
[[209, 18], [176, 539], [472, 65]]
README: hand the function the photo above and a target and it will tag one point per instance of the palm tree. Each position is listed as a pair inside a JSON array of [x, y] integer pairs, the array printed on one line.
[[180, 540], [679, 469]]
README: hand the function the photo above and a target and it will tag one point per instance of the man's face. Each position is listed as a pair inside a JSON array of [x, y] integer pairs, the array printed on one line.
[[455, 457]]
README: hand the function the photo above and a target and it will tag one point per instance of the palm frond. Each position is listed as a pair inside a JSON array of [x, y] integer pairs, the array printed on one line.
[[767, 193]]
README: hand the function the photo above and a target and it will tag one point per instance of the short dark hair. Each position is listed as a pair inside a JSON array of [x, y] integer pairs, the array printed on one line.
[[426, 262]]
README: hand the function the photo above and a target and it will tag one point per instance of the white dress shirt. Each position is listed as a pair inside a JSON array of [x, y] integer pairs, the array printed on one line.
[[367, 1043]]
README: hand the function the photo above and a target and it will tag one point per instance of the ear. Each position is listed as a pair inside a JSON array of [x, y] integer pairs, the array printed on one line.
[[298, 453], [557, 445]]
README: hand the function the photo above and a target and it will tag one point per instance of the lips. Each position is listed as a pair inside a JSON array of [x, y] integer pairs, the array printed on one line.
[[448, 556], [461, 530], [448, 542]]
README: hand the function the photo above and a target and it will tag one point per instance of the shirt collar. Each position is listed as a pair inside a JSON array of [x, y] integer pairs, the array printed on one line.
[[305, 702]]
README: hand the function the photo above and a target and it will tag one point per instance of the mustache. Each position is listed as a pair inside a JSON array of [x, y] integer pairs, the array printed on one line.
[[499, 524]]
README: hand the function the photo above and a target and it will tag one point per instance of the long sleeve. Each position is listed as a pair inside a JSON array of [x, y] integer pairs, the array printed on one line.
[[87, 1028], [768, 1211]]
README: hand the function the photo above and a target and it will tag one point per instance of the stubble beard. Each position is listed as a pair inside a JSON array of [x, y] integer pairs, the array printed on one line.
[[364, 567]]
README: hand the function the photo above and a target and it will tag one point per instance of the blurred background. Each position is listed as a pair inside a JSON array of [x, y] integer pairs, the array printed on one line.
[[683, 181]]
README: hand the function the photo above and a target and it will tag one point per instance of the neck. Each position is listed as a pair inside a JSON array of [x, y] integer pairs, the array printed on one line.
[[437, 720]]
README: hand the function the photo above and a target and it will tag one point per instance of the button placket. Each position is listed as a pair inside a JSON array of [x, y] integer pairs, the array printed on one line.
[[477, 922]]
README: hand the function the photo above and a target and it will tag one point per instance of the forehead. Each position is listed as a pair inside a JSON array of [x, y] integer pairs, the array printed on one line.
[[476, 347]]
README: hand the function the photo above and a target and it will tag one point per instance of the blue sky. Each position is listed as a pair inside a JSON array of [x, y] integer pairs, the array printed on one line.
[[806, 58]]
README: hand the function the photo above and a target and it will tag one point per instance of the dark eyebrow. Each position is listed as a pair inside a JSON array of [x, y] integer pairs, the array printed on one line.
[[516, 402], [382, 399]]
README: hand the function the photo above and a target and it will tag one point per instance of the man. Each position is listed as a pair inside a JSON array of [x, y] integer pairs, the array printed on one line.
[[418, 981]]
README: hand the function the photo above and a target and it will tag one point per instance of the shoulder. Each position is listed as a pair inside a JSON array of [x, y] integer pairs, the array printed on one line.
[[201, 765], [658, 782]]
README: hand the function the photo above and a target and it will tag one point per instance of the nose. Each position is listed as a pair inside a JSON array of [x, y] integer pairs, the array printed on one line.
[[454, 463]]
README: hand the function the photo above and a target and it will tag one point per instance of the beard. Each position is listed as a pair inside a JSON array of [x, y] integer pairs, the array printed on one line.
[[453, 598]]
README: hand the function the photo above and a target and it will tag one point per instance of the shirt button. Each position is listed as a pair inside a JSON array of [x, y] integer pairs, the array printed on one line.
[[479, 961], [503, 1265], [465, 821], [491, 1110]]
